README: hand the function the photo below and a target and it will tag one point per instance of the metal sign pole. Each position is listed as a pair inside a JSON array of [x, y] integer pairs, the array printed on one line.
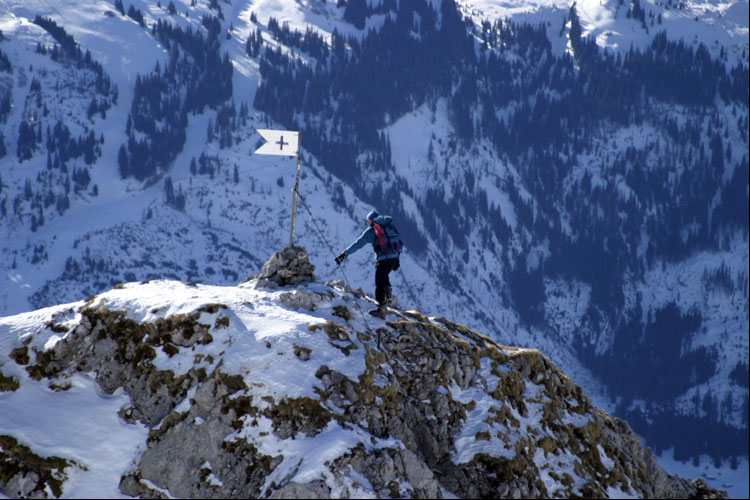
[[296, 188]]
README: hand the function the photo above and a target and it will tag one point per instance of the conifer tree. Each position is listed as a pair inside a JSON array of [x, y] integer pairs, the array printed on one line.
[[355, 12], [122, 162]]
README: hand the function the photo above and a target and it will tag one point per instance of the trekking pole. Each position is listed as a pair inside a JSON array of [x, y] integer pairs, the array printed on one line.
[[330, 249]]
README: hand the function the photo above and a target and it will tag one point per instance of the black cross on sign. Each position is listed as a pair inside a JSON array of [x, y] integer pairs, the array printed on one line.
[[281, 143]]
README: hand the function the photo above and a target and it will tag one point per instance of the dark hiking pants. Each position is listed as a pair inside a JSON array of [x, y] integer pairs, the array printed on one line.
[[382, 269]]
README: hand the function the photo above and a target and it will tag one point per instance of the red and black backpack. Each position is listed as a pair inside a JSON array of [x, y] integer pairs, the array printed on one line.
[[387, 238]]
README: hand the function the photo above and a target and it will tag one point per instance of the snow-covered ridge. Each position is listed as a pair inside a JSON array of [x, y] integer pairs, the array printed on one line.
[[246, 391]]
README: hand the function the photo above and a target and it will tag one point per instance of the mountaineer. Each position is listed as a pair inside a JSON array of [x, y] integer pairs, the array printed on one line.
[[382, 234]]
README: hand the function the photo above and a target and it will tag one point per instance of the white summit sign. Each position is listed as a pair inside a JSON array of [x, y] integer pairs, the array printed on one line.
[[279, 142], [284, 143]]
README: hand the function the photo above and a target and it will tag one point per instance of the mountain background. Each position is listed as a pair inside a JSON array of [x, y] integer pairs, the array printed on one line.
[[569, 177]]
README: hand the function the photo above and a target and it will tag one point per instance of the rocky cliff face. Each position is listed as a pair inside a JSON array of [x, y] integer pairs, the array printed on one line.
[[284, 392]]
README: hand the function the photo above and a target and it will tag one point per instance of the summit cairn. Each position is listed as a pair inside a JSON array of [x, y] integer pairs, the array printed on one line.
[[289, 267]]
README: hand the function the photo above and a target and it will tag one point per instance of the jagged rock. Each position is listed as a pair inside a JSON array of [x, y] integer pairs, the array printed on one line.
[[314, 489], [25, 474], [179, 448], [438, 409], [120, 351], [388, 468], [303, 299], [24, 486], [419, 475], [289, 267]]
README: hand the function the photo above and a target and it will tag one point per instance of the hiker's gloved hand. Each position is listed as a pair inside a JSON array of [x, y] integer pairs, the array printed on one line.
[[340, 258]]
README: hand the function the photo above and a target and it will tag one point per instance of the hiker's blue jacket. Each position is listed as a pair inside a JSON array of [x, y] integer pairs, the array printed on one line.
[[368, 236]]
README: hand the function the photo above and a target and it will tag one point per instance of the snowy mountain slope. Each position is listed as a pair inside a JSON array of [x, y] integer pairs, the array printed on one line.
[[236, 206], [716, 24], [240, 391]]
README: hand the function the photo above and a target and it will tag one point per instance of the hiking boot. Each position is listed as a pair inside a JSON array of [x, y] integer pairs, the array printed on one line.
[[390, 299], [379, 312]]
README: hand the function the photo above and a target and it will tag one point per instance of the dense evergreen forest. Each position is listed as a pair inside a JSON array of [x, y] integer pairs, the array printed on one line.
[[196, 76], [69, 155], [542, 113]]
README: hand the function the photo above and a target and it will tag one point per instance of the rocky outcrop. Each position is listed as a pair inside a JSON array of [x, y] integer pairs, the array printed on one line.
[[26, 475], [437, 410], [189, 456], [120, 351]]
